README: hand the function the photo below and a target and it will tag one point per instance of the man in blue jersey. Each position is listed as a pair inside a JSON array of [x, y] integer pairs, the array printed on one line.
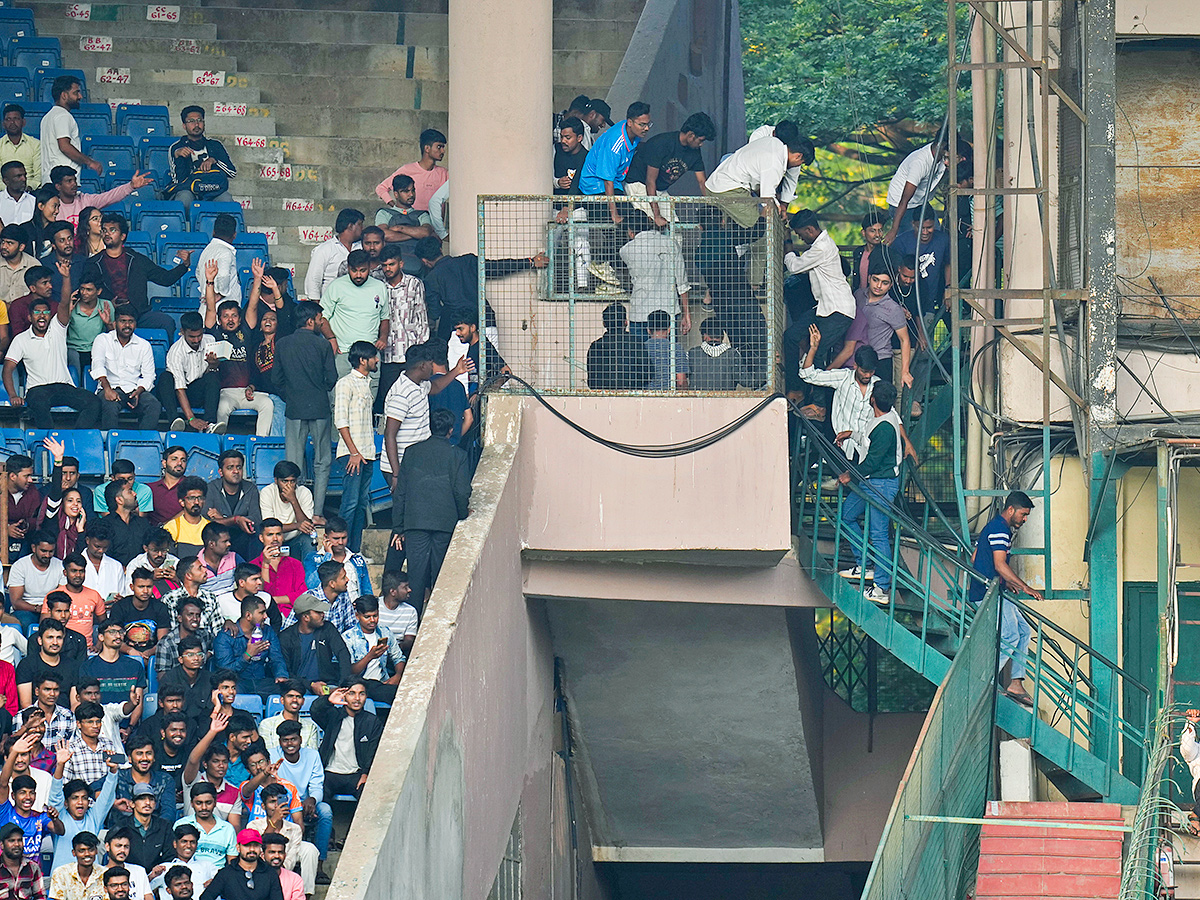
[[991, 560]]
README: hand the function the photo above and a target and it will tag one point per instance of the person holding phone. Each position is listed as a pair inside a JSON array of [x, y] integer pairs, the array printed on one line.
[[375, 654]]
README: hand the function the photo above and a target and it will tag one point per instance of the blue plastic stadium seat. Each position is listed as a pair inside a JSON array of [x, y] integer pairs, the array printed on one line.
[[35, 52], [90, 182], [139, 121], [94, 119], [262, 453], [156, 157], [142, 242], [12, 441], [33, 117], [159, 343], [249, 247], [15, 84], [112, 152], [142, 448], [251, 703], [203, 214], [45, 81], [202, 450], [158, 216], [274, 705], [16, 23], [86, 446]]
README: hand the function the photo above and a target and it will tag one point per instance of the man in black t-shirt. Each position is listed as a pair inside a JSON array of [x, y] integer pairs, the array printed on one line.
[[569, 156], [236, 373], [145, 618], [660, 161], [46, 658]]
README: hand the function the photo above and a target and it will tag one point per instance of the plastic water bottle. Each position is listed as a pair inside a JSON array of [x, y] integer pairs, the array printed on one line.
[[256, 635]]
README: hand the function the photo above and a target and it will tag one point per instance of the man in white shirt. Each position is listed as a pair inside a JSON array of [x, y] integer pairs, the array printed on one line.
[[328, 257], [916, 180], [43, 349], [16, 203], [756, 170], [123, 366], [32, 577], [835, 302], [220, 248], [660, 281], [191, 377], [59, 130], [439, 211], [785, 130]]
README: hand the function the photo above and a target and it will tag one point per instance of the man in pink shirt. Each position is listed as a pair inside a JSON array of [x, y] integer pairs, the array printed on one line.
[[426, 174], [282, 576], [73, 202]]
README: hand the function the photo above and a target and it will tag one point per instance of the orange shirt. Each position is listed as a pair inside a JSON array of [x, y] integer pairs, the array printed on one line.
[[86, 607]]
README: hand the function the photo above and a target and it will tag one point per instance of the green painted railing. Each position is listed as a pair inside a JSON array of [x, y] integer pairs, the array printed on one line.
[[1140, 873], [927, 616], [947, 776]]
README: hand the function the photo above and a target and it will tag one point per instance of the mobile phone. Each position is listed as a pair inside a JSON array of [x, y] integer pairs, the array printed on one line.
[[381, 640], [285, 550], [118, 759]]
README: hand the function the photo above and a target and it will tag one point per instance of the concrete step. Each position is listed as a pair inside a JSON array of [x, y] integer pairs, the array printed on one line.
[[74, 58], [353, 151], [63, 28], [330, 26], [373, 91], [564, 93], [121, 12], [425, 30], [269, 211], [425, 6], [321, 59], [175, 97], [292, 118], [257, 123], [180, 50]]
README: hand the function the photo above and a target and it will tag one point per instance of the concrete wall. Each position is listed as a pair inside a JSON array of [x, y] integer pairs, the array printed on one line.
[[728, 499], [1150, 18]]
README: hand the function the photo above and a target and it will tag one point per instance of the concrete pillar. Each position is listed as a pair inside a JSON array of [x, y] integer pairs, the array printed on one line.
[[501, 80], [1017, 780]]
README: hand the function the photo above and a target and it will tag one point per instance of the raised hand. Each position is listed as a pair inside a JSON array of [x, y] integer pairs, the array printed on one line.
[[63, 752], [56, 447]]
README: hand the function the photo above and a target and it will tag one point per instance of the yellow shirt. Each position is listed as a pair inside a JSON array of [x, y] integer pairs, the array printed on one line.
[[184, 532], [28, 152]]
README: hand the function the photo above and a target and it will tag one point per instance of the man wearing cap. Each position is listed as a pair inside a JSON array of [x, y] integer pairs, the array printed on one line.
[[313, 651], [248, 877], [275, 851], [20, 876]]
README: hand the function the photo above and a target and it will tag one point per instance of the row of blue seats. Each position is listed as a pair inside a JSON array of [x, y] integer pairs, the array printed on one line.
[[25, 85], [96, 450], [158, 216], [134, 121]]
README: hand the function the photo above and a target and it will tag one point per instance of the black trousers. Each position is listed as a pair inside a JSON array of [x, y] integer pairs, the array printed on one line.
[[204, 392], [381, 693], [337, 783], [388, 374], [43, 398], [147, 410], [426, 550]]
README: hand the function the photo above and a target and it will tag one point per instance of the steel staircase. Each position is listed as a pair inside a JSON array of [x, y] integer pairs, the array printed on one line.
[[1085, 745]]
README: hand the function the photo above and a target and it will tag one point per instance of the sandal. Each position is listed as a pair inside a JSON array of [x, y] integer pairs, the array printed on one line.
[[1021, 697]]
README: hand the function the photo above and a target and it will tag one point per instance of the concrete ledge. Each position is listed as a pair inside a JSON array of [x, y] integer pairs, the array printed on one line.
[[709, 854]]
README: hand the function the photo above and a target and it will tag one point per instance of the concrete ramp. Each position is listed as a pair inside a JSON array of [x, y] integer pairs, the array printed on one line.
[[690, 736]]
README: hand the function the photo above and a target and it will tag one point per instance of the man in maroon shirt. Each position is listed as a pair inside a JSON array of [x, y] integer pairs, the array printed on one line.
[[41, 287], [24, 504], [166, 502]]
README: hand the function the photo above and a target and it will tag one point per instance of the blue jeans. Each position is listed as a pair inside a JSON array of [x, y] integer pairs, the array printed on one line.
[[356, 497], [324, 829], [278, 418], [883, 490], [1015, 633]]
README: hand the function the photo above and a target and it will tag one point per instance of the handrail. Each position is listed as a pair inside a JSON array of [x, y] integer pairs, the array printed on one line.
[[1155, 811], [933, 581]]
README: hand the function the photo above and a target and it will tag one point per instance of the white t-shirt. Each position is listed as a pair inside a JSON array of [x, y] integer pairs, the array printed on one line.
[[919, 168], [45, 357], [37, 583], [231, 606], [57, 123], [109, 580], [139, 881], [344, 761], [401, 621]]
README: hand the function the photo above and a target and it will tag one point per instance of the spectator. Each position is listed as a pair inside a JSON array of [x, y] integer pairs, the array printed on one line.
[[341, 715], [16, 202], [123, 470], [171, 700], [407, 315], [302, 768], [84, 810], [58, 608], [186, 842], [60, 721], [425, 172], [262, 367], [375, 652], [104, 575], [128, 530], [246, 877], [20, 875], [164, 493], [144, 617], [431, 496], [150, 835], [187, 528], [336, 549], [88, 238], [313, 650], [372, 244], [356, 436], [176, 882], [716, 365], [580, 109], [194, 573], [32, 577], [884, 320], [439, 211], [282, 575], [307, 374], [62, 250], [660, 349], [72, 202], [756, 170], [786, 130], [171, 740], [200, 166], [46, 204], [453, 395], [64, 515], [141, 773], [616, 360], [190, 611], [822, 261], [275, 850], [119, 843], [66, 471], [916, 180], [328, 256], [118, 673], [40, 286], [17, 146], [407, 412], [46, 660], [226, 283], [291, 698], [17, 797], [928, 247], [659, 275], [81, 877], [233, 502], [331, 587], [123, 274], [192, 678], [661, 160], [872, 235], [569, 155], [87, 604], [90, 316], [236, 371], [123, 366], [608, 160], [24, 501], [851, 409], [16, 262], [291, 503], [117, 880], [59, 131], [218, 558], [267, 294], [252, 651], [399, 616], [355, 309], [209, 763], [466, 329], [157, 558], [247, 583]]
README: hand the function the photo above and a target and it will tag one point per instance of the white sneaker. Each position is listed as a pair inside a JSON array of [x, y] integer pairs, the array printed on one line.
[[215, 428], [178, 425], [856, 574], [603, 271], [877, 595]]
